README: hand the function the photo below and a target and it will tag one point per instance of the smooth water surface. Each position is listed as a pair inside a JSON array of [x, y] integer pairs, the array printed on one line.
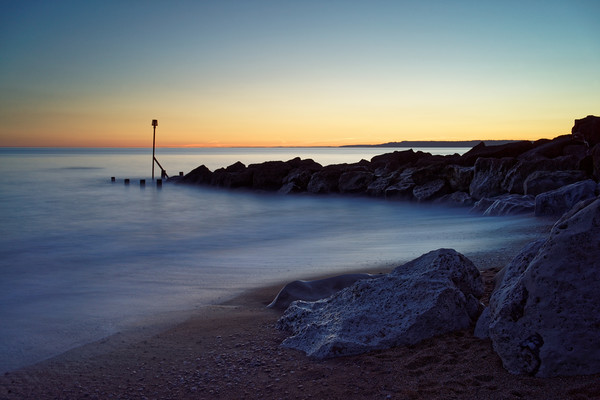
[[82, 258]]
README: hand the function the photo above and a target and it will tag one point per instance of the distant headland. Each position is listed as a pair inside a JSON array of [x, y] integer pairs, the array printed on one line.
[[436, 143]]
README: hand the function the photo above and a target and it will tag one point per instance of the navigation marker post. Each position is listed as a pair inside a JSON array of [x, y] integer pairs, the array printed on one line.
[[154, 125]]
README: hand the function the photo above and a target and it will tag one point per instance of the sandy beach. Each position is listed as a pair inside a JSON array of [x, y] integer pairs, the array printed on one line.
[[231, 351]]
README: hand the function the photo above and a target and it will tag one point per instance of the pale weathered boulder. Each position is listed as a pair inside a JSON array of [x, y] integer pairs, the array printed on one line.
[[559, 201], [316, 289], [544, 319], [433, 294]]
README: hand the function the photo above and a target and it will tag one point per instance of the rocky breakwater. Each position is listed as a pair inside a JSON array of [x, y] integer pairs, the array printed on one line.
[[495, 180]]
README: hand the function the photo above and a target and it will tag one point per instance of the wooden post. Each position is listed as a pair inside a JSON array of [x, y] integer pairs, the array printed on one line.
[[154, 125], [142, 182], [112, 179], [126, 181], [159, 183]]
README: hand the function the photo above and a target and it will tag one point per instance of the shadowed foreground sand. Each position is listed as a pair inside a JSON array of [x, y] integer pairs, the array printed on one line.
[[232, 351]]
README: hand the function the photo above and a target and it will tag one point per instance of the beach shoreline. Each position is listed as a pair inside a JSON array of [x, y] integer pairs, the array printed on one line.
[[231, 350]]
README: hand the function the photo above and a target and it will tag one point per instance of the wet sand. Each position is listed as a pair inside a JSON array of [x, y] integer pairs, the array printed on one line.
[[231, 351]]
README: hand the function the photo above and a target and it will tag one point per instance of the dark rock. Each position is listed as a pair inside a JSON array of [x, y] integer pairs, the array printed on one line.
[[391, 162], [544, 181], [355, 181], [588, 130], [234, 176], [198, 176], [500, 151], [327, 179], [430, 190], [269, 175], [515, 177], [561, 200], [550, 148], [488, 176], [595, 153], [459, 177]]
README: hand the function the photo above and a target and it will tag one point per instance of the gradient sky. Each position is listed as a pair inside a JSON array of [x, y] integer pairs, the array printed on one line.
[[292, 73]]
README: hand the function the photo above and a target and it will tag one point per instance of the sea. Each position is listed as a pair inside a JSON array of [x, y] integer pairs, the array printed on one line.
[[83, 258]]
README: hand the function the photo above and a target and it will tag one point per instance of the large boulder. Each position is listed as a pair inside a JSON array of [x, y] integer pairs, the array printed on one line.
[[544, 181], [488, 176], [431, 295], [544, 319], [561, 200]]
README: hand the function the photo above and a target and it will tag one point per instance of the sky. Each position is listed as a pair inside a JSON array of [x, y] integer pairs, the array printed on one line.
[[294, 73]]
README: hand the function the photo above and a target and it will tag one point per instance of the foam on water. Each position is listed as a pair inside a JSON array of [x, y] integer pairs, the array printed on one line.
[[82, 258]]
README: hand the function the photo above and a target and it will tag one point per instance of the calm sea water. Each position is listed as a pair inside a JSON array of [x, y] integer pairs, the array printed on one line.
[[82, 258]]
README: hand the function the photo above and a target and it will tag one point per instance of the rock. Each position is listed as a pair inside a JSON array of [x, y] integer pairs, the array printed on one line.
[[431, 295], [595, 153], [488, 176], [234, 176], [298, 178], [545, 316], [402, 186], [559, 201], [269, 175], [514, 180], [391, 162], [430, 190], [511, 204], [458, 177], [315, 290], [326, 180], [545, 148], [500, 151], [198, 176], [588, 130], [544, 181], [355, 181]]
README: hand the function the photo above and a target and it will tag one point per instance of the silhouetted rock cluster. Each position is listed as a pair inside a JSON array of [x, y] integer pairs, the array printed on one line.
[[497, 180]]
